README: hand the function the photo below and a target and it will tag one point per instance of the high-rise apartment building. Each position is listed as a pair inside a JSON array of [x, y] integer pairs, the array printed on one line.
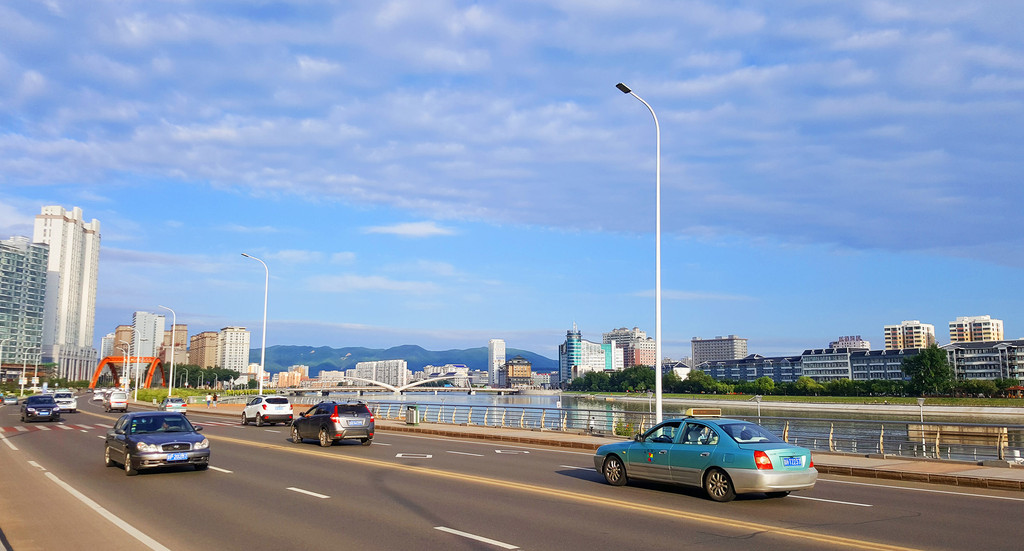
[[577, 356], [148, 333], [124, 336], [909, 334], [392, 372], [637, 347], [975, 329], [23, 267], [495, 360], [70, 311], [202, 350], [179, 332], [718, 349], [233, 348]]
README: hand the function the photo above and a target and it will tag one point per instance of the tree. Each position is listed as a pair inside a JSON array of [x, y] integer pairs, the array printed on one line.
[[929, 371], [764, 385], [807, 386]]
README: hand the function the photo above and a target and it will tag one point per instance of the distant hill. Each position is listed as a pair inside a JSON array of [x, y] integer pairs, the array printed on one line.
[[320, 358]]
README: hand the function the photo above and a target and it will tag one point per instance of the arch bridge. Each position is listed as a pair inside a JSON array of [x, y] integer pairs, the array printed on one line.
[[150, 364]]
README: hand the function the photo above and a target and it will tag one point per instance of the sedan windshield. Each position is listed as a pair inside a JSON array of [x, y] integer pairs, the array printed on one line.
[[169, 423], [40, 400]]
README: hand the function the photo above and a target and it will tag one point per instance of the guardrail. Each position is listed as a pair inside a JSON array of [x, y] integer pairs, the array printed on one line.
[[936, 440]]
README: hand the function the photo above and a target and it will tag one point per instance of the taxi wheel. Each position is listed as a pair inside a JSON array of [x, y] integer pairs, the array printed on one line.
[[325, 438], [366, 441], [718, 486], [614, 471], [244, 420]]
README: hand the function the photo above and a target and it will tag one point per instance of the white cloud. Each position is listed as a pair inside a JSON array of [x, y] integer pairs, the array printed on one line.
[[411, 229], [351, 283]]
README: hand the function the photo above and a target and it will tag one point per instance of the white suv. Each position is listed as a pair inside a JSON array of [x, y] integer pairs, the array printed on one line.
[[267, 409], [66, 401]]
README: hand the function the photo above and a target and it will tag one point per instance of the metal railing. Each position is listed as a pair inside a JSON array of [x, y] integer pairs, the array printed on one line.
[[936, 440]]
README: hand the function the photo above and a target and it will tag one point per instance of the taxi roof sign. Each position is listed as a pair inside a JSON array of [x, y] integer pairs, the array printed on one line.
[[704, 412]]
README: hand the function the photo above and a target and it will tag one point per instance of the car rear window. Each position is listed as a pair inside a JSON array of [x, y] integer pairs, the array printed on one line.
[[118, 395], [277, 400], [352, 409]]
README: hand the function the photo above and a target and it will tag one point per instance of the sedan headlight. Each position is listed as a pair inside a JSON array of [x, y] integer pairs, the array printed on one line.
[[202, 445], [147, 448], [30, 410]]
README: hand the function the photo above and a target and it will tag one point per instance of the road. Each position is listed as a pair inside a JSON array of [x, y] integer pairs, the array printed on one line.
[[415, 492]]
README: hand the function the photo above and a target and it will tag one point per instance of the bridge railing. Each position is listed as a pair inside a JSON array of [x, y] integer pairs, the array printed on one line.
[[937, 440]]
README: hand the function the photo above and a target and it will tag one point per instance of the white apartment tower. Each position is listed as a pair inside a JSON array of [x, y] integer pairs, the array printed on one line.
[[495, 360], [147, 333], [233, 348], [718, 349], [975, 329], [70, 311]]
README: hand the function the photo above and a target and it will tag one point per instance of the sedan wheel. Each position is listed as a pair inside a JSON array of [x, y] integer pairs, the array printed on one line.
[[718, 486], [325, 438], [614, 471], [128, 469], [295, 435], [106, 457]]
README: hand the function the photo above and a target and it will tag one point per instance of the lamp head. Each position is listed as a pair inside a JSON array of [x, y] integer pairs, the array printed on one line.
[[625, 89]]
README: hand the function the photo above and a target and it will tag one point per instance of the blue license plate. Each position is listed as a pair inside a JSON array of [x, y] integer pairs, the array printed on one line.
[[792, 461], [177, 456], [356, 423]]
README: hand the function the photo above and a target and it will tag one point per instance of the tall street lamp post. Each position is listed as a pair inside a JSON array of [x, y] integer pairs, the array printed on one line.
[[174, 323], [657, 253], [263, 345]]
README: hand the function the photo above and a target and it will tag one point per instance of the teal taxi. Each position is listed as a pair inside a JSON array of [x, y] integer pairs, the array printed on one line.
[[723, 456]]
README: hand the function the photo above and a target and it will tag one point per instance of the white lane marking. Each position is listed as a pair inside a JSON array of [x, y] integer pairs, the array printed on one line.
[[963, 494], [44, 428], [20, 428], [467, 453], [84, 426], [36, 465], [414, 455], [307, 492], [496, 543], [512, 452], [218, 469], [7, 443], [64, 427], [270, 430], [831, 501], [380, 444], [128, 528]]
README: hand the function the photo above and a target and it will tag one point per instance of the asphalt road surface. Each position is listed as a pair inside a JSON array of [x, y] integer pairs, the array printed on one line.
[[415, 492]]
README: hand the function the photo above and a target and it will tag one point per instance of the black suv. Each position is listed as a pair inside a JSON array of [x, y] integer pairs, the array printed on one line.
[[40, 406], [329, 422]]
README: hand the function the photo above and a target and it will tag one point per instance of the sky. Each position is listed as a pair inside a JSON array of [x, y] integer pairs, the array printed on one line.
[[442, 173]]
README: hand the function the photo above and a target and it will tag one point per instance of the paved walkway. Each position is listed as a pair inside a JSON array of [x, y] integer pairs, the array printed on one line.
[[954, 473]]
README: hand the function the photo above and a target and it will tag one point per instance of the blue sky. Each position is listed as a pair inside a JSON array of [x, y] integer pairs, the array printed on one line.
[[445, 172]]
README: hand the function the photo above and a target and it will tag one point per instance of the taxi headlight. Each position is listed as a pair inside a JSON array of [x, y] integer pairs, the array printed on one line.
[[147, 448], [203, 444]]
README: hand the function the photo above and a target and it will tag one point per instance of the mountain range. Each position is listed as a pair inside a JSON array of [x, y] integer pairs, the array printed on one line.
[[320, 358]]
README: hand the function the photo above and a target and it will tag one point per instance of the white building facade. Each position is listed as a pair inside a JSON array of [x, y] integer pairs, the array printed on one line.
[[392, 372], [233, 348], [72, 270], [495, 359]]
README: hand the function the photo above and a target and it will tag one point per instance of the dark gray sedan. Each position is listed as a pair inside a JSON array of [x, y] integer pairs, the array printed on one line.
[[38, 407], [147, 439]]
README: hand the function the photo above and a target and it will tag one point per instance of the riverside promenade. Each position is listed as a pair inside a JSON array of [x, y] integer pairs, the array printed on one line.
[[945, 472]]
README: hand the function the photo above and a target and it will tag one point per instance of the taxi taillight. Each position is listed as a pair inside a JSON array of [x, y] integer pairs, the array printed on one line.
[[761, 460]]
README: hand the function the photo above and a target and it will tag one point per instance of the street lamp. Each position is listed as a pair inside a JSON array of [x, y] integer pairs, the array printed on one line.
[[125, 359], [174, 323], [657, 251], [263, 346]]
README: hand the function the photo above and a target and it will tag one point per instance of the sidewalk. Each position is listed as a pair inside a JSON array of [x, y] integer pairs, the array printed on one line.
[[952, 473]]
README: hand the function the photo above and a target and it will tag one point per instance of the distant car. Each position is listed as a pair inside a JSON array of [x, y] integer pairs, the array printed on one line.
[[97, 395], [40, 407], [267, 409], [329, 422], [10, 400], [147, 439], [66, 401], [725, 457], [115, 400], [173, 403]]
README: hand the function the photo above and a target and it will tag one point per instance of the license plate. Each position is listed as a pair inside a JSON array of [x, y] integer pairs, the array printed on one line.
[[792, 461], [177, 456], [356, 423]]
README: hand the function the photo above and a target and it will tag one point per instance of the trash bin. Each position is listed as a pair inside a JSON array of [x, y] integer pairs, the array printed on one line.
[[412, 415]]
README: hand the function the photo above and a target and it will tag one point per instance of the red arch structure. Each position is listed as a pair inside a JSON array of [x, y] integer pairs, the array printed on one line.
[[119, 361]]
